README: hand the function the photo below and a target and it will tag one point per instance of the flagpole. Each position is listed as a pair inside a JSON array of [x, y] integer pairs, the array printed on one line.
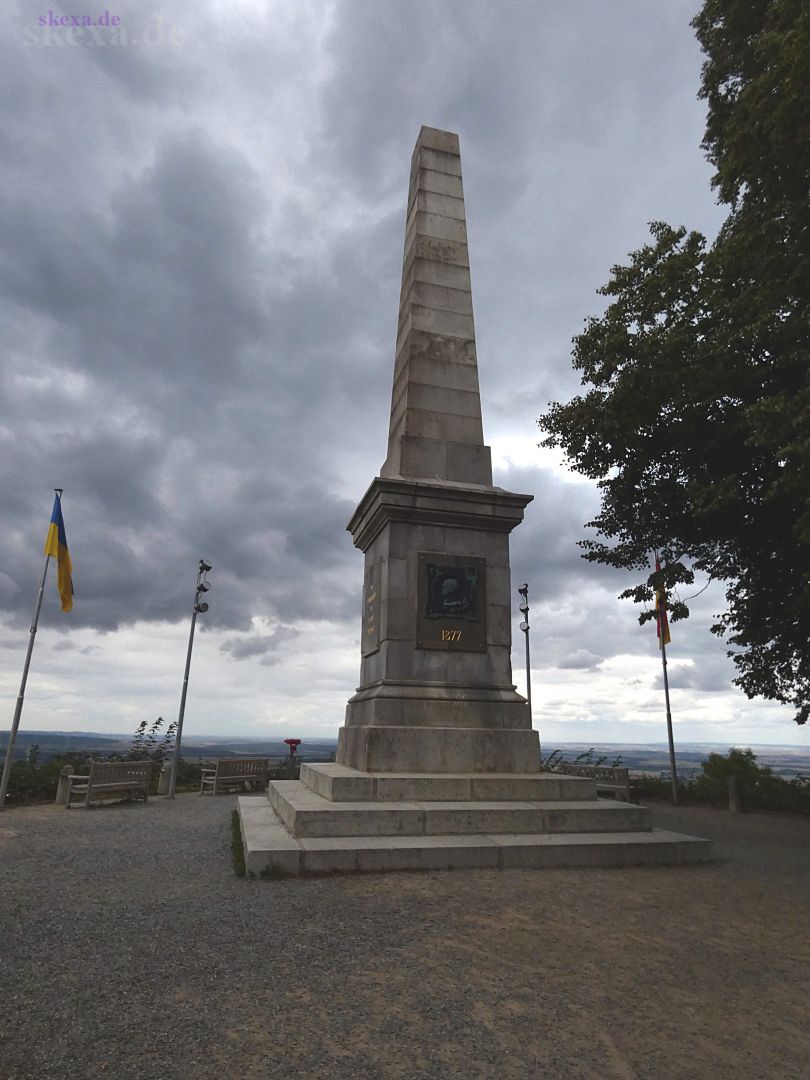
[[21, 696], [669, 726]]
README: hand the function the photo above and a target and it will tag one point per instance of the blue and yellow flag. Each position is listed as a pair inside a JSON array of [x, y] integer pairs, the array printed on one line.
[[56, 545]]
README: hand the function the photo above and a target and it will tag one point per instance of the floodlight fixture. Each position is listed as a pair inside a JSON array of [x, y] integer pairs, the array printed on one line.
[[524, 626], [198, 608]]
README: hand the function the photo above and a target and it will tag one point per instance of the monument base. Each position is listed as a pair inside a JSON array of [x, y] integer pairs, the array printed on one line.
[[439, 750], [341, 819]]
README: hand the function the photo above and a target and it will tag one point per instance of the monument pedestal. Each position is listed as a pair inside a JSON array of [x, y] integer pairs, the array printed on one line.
[[341, 819], [436, 691], [438, 750]]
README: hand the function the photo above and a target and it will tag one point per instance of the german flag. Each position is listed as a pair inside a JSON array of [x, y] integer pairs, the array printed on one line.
[[56, 546], [661, 612]]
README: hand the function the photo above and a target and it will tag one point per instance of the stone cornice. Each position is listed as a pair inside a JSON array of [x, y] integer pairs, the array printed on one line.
[[460, 506]]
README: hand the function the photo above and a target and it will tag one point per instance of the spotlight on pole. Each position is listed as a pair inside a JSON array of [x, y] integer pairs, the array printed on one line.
[[197, 608], [523, 591]]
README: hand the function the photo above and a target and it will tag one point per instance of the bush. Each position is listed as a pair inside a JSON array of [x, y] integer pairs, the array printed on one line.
[[555, 759], [31, 782], [760, 787]]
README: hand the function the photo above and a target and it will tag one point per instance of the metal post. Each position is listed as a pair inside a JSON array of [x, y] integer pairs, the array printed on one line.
[[524, 626], [21, 696], [669, 727], [201, 587]]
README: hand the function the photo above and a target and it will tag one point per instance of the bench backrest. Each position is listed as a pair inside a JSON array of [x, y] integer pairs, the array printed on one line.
[[611, 774], [246, 767], [114, 772]]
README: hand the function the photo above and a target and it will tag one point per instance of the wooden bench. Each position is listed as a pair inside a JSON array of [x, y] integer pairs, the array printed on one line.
[[230, 772], [616, 781], [106, 776]]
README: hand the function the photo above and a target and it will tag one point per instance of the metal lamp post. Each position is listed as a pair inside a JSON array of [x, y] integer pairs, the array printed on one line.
[[198, 608], [524, 626]]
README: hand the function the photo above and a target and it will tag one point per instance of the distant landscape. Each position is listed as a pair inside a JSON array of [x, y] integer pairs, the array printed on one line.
[[651, 759]]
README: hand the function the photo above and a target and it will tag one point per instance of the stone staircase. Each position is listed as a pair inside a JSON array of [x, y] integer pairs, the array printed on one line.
[[336, 818]]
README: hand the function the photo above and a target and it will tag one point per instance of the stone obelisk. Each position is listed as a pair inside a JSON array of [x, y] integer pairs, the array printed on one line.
[[436, 692], [438, 766]]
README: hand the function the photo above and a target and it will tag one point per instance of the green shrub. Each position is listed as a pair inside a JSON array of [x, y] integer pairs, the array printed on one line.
[[31, 782], [760, 786], [555, 759]]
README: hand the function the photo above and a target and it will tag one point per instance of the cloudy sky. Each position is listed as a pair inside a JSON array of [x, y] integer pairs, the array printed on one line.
[[201, 231]]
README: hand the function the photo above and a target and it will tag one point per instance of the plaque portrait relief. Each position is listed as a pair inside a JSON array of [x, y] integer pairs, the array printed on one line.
[[451, 603], [451, 591]]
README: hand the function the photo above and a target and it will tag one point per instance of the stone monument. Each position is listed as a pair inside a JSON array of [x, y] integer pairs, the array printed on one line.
[[436, 692], [437, 762]]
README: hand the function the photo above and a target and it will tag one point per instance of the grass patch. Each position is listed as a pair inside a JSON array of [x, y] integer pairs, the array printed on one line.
[[237, 847]]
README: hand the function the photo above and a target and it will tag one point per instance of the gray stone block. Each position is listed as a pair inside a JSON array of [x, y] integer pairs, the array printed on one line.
[[397, 579], [441, 399], [438, 750], [406, 540], [432, 202], [499, 624], [439, 161], [448, 276], [436, 139], [436, 321], [440, 182], [439, 227], [337, 783], [468, 464], [443, 426], [437, 249], [400, 853], [422, 345], [420, 457], [442, 297], [454, 376]]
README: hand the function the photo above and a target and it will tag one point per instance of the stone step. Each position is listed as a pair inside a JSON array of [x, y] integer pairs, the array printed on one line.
[[340, 783], [271, 851], [306, 814]]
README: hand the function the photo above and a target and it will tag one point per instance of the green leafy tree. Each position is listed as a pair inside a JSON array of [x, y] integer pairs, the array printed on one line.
[[695, 420]]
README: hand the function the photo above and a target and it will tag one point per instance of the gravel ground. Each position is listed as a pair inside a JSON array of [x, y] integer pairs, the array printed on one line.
[[129, 949]]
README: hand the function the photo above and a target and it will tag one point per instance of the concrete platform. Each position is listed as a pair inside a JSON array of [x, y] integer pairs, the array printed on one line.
[[341, 783], [270, 849], [306, 814]]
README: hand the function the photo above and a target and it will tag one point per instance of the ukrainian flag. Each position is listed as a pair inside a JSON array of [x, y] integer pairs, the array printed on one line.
[[56, 546]]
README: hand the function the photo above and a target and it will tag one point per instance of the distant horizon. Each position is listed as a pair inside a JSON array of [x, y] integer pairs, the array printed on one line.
[[321, 739]]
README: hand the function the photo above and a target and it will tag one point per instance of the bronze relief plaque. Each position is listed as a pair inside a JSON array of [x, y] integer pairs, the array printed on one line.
[[451, 603]]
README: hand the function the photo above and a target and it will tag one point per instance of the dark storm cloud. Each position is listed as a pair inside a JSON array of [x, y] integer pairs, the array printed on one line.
[[263, 645], [544, 548], [712, 680], [195, 415], [200, 256], [580, 660]]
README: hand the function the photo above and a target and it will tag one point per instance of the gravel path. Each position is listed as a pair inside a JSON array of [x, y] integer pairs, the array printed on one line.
[[129, 949]]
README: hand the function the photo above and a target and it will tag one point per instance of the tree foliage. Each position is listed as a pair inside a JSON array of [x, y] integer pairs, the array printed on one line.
[[695, 419]]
